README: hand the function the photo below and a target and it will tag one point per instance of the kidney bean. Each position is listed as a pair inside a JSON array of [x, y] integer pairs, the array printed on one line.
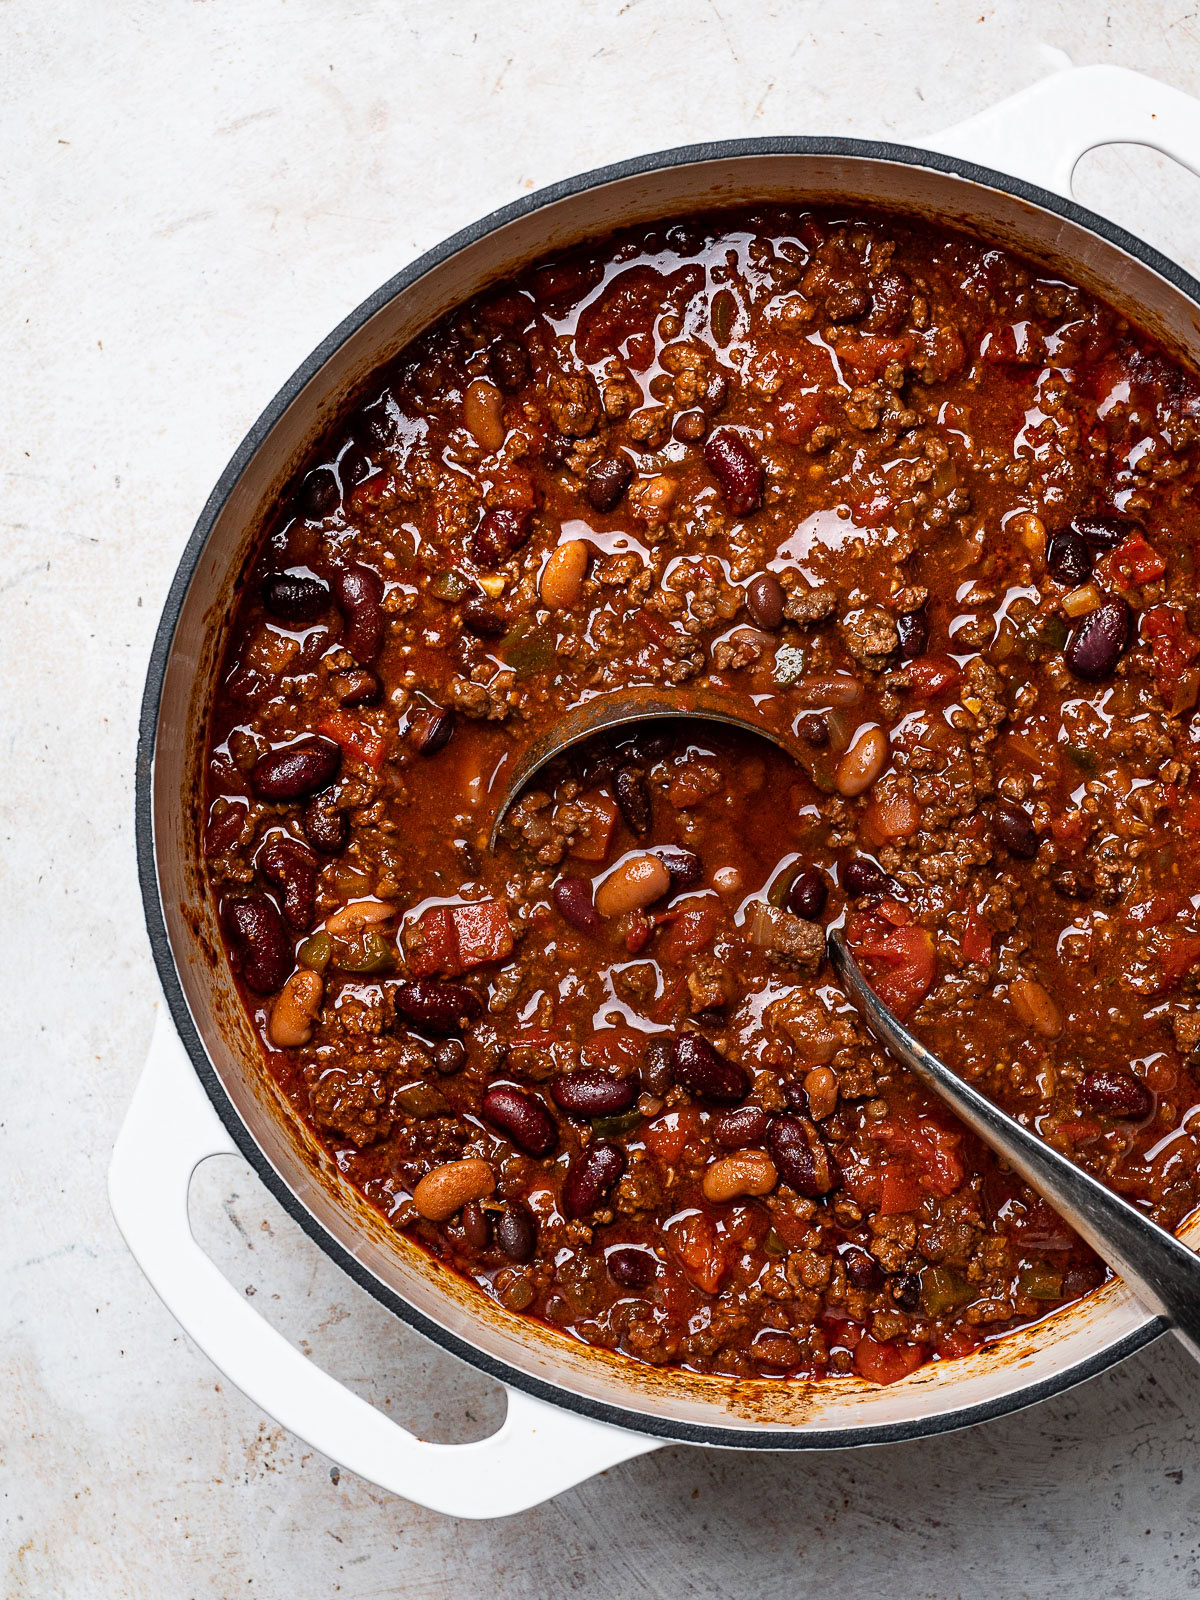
[[359, 593], [450, 1057], [319, 493], [1016, 830], [1102, 533], [524, 1119], [326, 827], [631, 1268], [261, 941], [509, 364], [292, 867], [699, 1068], [449, 1187], [516, 1231], [1068, 559], [633, 796], [807, 895], [861, 1268], [573, 897], [658, 1066], [476, 1226], [1116, 1094], [729, 1177], [294, 598], [296, 770], [801, 1156], [434, 732], [637, 882], [862, 763], [499, 534], [861, 876], [764, 602], [905, 1290], [685, 866], [594, 1093], [736, 468], [912, 630], [437, 1008], [733, 1130], [1100, 640], [484, 619], [606, 480], [590, 1177]]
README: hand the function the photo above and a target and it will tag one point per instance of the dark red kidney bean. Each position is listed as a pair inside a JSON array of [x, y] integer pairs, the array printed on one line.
[[737, 469], [594, 1093], [525, 1120], [435, 731], [633, 797], [319, 493], [296, 770], [573, 897], [450, 1057], [1116, 1094], [699, 1068], [606, 481], [764, 602], [590, 1177], [861, 1268], [476, 1226], [1100, 640], [734, 1130], [357, 688], [800, 1154], [499, 534], [912, 629], [905, 1290], [292, 867], [631, 1268], [359, 593], [814, 730], [261, 942], [1102, 533], [658, 1066], [225, 830], [1068, 558], [685, 866], [326, 826], [808, 893], [1016, 830], [516, 1231], [294, 598], [509, 365], [437, 1008], [860, 876], [484, 619]]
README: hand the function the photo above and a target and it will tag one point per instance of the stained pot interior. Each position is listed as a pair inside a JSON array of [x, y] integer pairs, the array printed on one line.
[[762, 1413]]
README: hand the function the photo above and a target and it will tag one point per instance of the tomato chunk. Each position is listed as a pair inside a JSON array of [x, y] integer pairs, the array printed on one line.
[[701, 1252], [357, 738], [900, 963], [886, 1363], [448, 940]]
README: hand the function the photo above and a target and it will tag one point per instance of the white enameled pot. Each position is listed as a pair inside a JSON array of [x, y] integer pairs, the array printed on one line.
[[572, 1411]]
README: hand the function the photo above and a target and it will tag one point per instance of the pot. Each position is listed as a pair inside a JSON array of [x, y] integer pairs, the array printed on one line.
[[573, 1410]]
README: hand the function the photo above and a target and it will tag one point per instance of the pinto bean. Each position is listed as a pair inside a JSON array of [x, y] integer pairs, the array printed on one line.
[[437, 1008], [821, 1092], [764, 602], [522, 1118], [296, 770], [295, 1009], [730, 1177], [516, 1231], [594, 1093], [1035, 1008], [590, 1178], [293, 597], [292, 867], [1100, 640], [685, 866], [637, 882], [573, 897], [801, 1156], [1115, 1094], [736, 468], [862, 763], [563, 575], [326, 827], [483, 413], [359, 914], [631, 1268], [451, 1186], [500, 534], [734, 1130], [359, 593], [633, 796], [606, 481], [701, 1070], [261, 942]]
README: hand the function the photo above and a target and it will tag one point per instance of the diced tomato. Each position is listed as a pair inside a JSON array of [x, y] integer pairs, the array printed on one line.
[[932, 1149], [1067, 830], [687, 931], [449, 939], [1173, 647], [1035, 1226], [700, 1250], [886, 1363], [668, 1135], [657, 629], [932, 675], [600, 818], [960, 1340], [1134, 561], [357, 738], [796, 415], [791, 1229], [613, 1047], [864, 359], [899, 1191], [871, 513], [637, 933], [1175, 958], [900, 963], [1156, 909], [977, 937]]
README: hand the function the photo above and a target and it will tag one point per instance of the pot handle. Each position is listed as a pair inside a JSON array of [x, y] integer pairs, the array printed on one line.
[[1040, 133], [539, 1449]]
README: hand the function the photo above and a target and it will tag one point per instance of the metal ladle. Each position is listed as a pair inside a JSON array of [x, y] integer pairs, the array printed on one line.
[[1162, 1271]]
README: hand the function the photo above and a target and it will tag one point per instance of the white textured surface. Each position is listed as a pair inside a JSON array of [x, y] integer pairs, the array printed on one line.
[[194, 194]]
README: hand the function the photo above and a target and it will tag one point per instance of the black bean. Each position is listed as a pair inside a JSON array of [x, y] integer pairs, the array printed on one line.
[[516, 1231], [484, 619], [476, 1226], [500, 533], [814, 730], [594, 1093], [1115, 1094], [861, 1268], [359, 593], [319, 493], [523, 1118], [658, 1065], [905, 1290], [912, 629], [689, 426], [434, 731], [261, 943], [633, 797], [1068, 558], [606, 481], [737, 469], [296, 770], [699, 1068], [591, 1177], [1102, 533], [353, 467], [685, 866], [807, 895], [450, 1057], [764, 602], [292, 597], [509, 364], [292, 867], [1100, 640], [573, 897], [436, 1008], [631, 1268], [860, 876], [734, 1130], [801, 1156], [326, 827], [1015, 828]]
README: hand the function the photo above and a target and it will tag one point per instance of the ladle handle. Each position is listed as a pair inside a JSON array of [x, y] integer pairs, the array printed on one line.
[[1163, 1272]]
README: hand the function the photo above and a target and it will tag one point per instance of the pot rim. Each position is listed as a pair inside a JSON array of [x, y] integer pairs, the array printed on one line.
[[782, 1437]]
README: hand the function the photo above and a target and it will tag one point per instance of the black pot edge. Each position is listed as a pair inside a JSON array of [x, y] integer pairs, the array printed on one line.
[[669, 1431]]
